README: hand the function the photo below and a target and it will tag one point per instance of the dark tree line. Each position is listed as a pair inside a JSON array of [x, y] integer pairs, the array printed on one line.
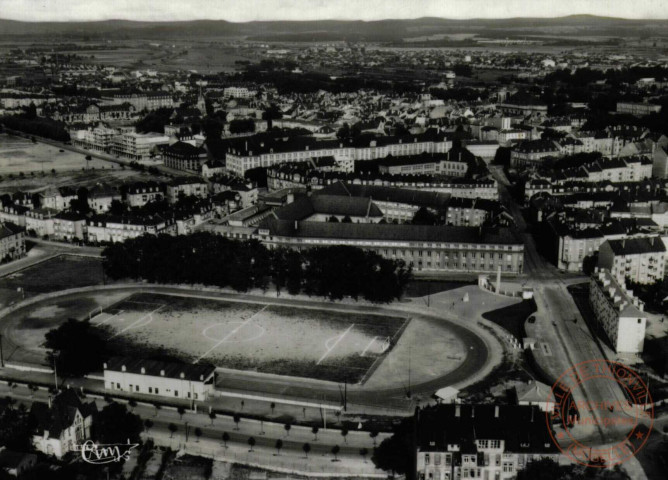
[[203, 258], [42, 127]]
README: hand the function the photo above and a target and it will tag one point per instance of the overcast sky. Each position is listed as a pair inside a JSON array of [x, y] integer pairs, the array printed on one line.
[[247, 10]]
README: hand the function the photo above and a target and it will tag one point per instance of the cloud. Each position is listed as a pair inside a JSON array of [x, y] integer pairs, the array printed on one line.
[[248, 10]]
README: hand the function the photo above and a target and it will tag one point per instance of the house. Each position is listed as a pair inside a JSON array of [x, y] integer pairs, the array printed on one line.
[[153, 377], [62, 424], [57, 198], [535, 393], [620, 314], [491, 442], [101, 197], [12, 241]]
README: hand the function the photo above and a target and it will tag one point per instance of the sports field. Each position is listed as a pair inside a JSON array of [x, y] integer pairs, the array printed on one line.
[[301, 342]]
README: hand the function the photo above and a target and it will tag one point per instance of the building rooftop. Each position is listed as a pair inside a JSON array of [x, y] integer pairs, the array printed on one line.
[[157, 368], [389, 232], [637, 246], [521, 427]]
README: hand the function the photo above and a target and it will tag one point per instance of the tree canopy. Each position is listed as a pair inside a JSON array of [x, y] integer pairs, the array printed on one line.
[[204, 258], [79, 346], [115, 424]]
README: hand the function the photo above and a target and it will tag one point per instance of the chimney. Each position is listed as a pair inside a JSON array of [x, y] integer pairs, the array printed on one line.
[[496, 411], [296, 224], [246, 145]]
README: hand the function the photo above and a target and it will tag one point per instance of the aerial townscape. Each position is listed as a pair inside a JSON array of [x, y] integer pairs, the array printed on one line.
[[291, 247]]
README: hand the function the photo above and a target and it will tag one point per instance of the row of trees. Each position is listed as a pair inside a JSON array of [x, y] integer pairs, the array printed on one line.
[[42, 127], [203, 258]]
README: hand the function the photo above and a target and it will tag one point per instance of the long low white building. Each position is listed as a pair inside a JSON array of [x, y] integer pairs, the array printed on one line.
[[165, 379]]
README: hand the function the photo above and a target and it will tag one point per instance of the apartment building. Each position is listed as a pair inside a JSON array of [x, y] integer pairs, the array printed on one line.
[[40, 221], [637, 108], [141, 193], [533, 152], [14, 213], [137, 146], [186, 186], [486, 442], [239, 92], [69, 226], [619, 313], [640, 259], [99, 139], [12, 242], [142, 100], [116, 228], [426, 164]]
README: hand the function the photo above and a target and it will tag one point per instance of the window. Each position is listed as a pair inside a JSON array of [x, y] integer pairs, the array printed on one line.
[[150, 389], [118, 386], [176, 393], [136, 388], [156, 390], [426, 459]]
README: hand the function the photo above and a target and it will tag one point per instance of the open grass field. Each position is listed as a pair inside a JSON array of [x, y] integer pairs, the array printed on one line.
[[300, 342], [59, 273], [18, 154], [112, 175]]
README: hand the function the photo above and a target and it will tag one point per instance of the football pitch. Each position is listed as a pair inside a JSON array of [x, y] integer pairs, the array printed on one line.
[[293, 341]]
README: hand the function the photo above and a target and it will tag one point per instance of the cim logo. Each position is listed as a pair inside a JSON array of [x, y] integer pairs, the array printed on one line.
[[101, 454]]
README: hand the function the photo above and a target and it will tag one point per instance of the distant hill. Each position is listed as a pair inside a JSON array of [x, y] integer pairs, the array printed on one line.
[[381, 30]]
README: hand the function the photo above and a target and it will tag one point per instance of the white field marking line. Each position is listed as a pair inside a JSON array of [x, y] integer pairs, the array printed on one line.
[[138, 321], [110, 317], [232, 332], [329, 350], [368, 346]]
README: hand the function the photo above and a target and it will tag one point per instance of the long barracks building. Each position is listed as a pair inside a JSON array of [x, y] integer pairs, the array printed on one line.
[[435, 248], [256, 152]]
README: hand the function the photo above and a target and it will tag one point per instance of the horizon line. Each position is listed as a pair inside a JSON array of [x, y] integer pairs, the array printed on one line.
[[332, 19]]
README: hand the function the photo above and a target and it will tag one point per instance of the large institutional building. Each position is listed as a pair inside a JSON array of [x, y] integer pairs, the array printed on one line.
[[618, 312], [457, 249], [255, 152]]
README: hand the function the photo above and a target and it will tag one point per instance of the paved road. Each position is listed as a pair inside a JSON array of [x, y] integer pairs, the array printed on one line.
[[572, 342], [265, 433]]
